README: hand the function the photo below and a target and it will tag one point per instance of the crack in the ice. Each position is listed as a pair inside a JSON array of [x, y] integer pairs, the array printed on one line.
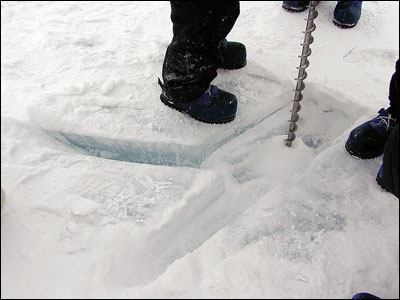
[[155, 153]]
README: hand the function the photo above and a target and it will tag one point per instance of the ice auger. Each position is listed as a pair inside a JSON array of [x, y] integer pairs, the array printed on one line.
[[304, 63]]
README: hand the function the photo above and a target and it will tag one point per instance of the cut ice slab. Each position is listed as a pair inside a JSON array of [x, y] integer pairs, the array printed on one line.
[[131, 124]]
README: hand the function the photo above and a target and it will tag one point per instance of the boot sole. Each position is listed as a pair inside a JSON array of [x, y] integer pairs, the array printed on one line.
[[181, 109], [356, 155], [344, 26], [293, 10], [234, 67]]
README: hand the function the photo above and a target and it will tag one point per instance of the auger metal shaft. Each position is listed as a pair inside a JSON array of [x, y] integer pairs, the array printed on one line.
[[304, 63]]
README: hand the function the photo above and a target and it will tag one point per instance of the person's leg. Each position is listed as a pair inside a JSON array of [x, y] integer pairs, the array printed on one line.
[[194, 55], [368, 140], [388, 175], [394, 93]]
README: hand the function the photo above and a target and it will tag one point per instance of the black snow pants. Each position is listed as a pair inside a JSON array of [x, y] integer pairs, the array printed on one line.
[[391, 163], [394, 93], [391, 155], [194, 55]]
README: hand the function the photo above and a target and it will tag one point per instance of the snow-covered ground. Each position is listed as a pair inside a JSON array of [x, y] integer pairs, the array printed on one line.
[[185, 209]]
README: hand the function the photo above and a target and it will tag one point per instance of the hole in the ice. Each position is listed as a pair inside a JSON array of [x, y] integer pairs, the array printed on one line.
[[312, 142]]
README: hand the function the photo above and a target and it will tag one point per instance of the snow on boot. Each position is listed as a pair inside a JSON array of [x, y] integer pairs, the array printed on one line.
[[295, 6], [214, 106], [368, 140], [347, 13], [233, 55]]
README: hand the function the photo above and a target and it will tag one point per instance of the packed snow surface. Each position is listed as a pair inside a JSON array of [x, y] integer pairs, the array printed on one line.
[[111, 194]]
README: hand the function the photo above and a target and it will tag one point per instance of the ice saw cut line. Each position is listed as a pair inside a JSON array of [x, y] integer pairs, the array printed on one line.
[[304, 63]]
